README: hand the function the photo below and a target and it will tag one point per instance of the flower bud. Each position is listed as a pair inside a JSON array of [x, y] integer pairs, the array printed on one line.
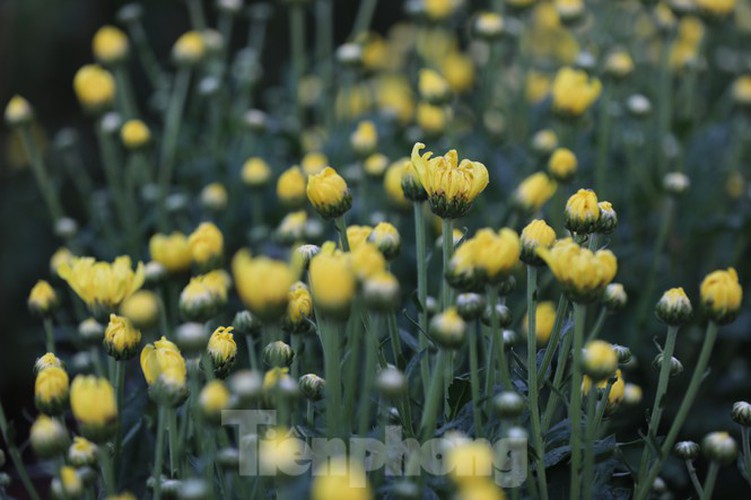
[[42, 299], [386, 238], [741, 413], [349, 54], [582, 212], [720, 447], [412, 187], [46, 361], [431, 305], [448, 329], [48, 437], [297, 319], [623, 353], [110, 45], [255, 172], [391, 382], [305, 253], [470, 306], [214, 197], [51, 390], [94, 87], [247, 385], [18, 112], [676, 367], [92, 400], [562, 165], [121, 338], [608, 220], [213, 399], [381, 291], [599, 360], [639, 105], [674, 308], [502, 312], [82, 453], [488, 25], [721, 295], [619, 64], [686, 450], [544, 141], [70, 483], [142, 309], [193, 489], [206, 245], [544, 322], [676, 183], [433, 87], [290, 188], [191, 338], [246, 323], [333, 284], [365, 138], [632, 394], [278, 354], [222, 350], [329, 194], [536, 234], [614, 297], [508, 404], [189, 49], [312, 386]]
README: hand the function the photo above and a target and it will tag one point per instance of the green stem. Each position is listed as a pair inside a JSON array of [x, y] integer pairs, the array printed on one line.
[[15, 457], [297, 349], [324, 54], [746, 452], [126, 101], [683, 411], [580, 316], [197, 17], [146, 54], [422, 292], [364, 16], [474, 374], [159, 453], [108, 469], [603, 141], [252, 352], [119, 391], [433, 399], [371, 353], [173, 432], [48, 334], [39, 169], [555, 337], [396, 343], [341, 227], [595, 331], [297, 42], [331, 359], [497, 340], [533, 393], [694, 478], [709, 482], [589, 451], [448, 249]]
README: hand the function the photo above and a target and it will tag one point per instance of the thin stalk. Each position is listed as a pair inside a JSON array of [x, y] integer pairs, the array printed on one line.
[[694, 478], [297, 42], [120, 392], [688, 400], [146, 54], [580, 317], [15, 457], [422, 292], [396, 343], [324, 55], [172, 122], [589, 437], [599, 323], [297, 349], [603, 141], [746, 452], [108, 469], [331, 358], [173, 433], [39, 170], [711, 479], [354, 343], [341, 227], [447, 234], [371, 352], [197, 17], [497, 340], [533, 393], [474, 378], [48, 335], [159, 453], [662, 387], [433, 399], [555, 337], [364, 16], [125, 98]]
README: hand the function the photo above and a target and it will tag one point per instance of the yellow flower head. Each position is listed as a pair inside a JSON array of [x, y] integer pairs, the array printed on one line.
[[189, 48], [741, 90], [206, 244], [367, 260], [432, 86], [172, 251], [164, 369], [483, 490], [569, 10], [92, 400], [332, 282], [102, 285], [375, 165], [214, 197], [204, 295], [534, 235], [395, 98], [255, 172], [299, 309], [583, 274], [141, 308], [562, 164], [544, 321], [42, 298], [574, 92], [437, 10], [495, 254], [110, 45], [544, 141], [71, 482], [386, 238], [392, 183], [262, 284], [721, 295], [135, 134], [488, 25], [599, 360], [290, 188], [214, 398], [222, 349], [18, 111], [534, 192], [537, 86], [121, 339], [674, 307], [51, 390], [357, 235], [292, 227], [46, 361], [278, 450], [582, 211], [459, 71], [432, 118], [273, 377], [448, 328], [329, 194], [718, 8], [312, 163], [619, 64], [82, 453], [365, 138], [94, 87], [451, 185], [340, 479], [61, 255], [470, 462], [616, 391]]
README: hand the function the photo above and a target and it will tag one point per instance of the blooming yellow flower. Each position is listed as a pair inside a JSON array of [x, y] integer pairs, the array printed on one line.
[[135, 134], [102, 285], [299, 309], [583, 274], [392, 183], [51, 390], [42, 298], [574, 92], [544, 321], [222, 349], [341, 479], [92, 400], [495, 254], [94, 87], [164, 369], [329, 194], [534, 192], [534, 235], [262, 284], [332, 283], [18, 111], [172, 251], [290, 188], [121, 339], [110, 45], [206, 244], [721, 295], [189, 48], [562, 164], [451, 185], [582, 211], [142, 308]]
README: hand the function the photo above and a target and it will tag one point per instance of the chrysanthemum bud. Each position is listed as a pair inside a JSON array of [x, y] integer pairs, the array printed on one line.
[[222, 350], [617, 389], [193, 489], [676, 367], [312, 386], [638, 105], [256, 120], [365, 138], [623, 353], [544, 322], [632, 394], [214, 197], [544, 141], [433, 87], [214, 398], [391, 382], [562, 165], [619, 64], [51, 390], [502, 311], [92, 400], [329, 194], [608, 220], [82, 453], [191, 338], [488, 25], [189, 49], [614, 297], [94, 87], [536, 234], [470, 306], [110, 45], [333, 284], [720, 447], [69, 484], [278, 353], [18, 112], [46, 361], [721, 295], [386, 238], [305, 253], [206, 245], [741, 413], [674, 307], [448, 329], [582, 212], [48, 437], [508, 404], [599, 360], [121, 338], [412, 187], [686, 450], [290, 188], [142, 309], [42, 299], [246, 323], [247, 385], [381, 291], [255, 172], [676, 183], [349, 54]]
